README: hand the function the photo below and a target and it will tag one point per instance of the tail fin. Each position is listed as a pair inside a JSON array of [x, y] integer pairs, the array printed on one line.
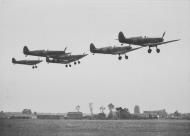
[[25, 50], [121, 36], [92, 47], [13, 60]]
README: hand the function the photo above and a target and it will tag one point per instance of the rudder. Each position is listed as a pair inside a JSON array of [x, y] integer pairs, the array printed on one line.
[[92, 47], [25, 50], [121, 37]]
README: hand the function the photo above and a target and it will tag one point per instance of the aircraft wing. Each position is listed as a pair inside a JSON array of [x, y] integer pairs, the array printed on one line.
[[58, 56], [160, 43], [134, 49], [63, 55]]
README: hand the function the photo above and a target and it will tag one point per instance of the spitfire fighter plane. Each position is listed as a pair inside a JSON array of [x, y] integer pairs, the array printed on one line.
[[144, 41], [114, 50], [27, 62], [45, 53], [67, 59]]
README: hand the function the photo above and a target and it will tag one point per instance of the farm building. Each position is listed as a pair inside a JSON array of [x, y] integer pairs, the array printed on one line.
[[19, 115], [156, 114], [49, 116], [74, 115]]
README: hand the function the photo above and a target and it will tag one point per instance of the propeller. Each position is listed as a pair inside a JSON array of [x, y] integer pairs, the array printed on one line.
[[163, 35]]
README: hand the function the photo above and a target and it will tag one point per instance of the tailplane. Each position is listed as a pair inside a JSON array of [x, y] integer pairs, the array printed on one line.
[[13, 60], [25, 50], [92, 47], [121, 37]]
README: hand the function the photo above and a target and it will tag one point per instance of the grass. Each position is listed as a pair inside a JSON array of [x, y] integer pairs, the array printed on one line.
[[36, 127]]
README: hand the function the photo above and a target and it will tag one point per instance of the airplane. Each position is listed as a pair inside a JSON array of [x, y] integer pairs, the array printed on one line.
[[45, 53], [144, 41], [67, 59], [27, 62], [114, 50]]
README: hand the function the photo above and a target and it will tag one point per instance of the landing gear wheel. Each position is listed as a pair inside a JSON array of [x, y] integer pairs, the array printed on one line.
[[126, 57], [69, 65], [35, 66], [75, 63], [149, 50], [158, 50], [66, 66], [119, 57], [78, 62]]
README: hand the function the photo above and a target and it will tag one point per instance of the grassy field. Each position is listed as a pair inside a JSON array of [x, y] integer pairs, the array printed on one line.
[[36, 127]]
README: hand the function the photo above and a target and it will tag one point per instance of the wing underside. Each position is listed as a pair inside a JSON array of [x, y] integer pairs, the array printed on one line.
[[160, 43]]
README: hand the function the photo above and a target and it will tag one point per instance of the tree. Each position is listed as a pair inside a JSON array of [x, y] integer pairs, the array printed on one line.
[[110, 107], [119, 110], [123, 113], [77, 108], [102, 109], [136, 109], [27, 111], [91, 108], [176, 114]]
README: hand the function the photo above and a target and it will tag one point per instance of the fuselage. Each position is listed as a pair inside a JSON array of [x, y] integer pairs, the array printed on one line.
[[112, 50], [44, 53], [74, 57], [27, 62], [141, 40], [66, 59]]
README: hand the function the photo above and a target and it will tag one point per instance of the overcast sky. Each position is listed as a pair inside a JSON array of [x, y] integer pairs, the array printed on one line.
[[152, 81]]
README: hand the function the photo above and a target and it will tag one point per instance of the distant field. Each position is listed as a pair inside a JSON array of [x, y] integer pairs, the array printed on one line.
[[36, 127]]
